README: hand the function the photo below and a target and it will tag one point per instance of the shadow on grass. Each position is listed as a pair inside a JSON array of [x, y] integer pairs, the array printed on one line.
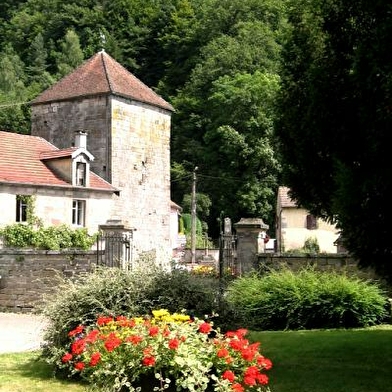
[[34, 367]]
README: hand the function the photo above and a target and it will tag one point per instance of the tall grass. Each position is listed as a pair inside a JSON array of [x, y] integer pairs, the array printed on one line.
[[307, 299]]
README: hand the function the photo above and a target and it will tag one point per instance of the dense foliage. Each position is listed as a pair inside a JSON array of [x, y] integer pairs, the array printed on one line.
[[336, 118], [20, 235], [307, 299]]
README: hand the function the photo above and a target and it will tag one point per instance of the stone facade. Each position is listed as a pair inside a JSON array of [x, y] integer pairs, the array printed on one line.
[[130, 141]]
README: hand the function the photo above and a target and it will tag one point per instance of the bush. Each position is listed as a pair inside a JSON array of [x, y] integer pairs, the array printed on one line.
[[114, 292], [19, 235], [306, 299], [175, 351]]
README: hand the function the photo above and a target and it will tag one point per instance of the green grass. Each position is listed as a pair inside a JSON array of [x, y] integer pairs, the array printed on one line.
[[304, 361], [24, 372], [329, 360]]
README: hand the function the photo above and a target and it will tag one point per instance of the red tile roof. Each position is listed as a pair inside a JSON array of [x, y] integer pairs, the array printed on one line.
[[101, 74], [284, 198], [21, 162]]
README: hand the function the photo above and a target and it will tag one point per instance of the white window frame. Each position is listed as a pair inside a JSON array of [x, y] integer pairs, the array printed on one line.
[[21, 209], [81, 173], [79, 212]]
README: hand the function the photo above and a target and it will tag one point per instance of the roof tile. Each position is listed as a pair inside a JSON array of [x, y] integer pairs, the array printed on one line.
[[21, 162], [101, 74]]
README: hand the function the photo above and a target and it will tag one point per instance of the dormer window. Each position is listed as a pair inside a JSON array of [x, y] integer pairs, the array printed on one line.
[[81, 171]]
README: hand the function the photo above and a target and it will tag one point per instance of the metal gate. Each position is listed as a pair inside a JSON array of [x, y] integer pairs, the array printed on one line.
[[115, 250]]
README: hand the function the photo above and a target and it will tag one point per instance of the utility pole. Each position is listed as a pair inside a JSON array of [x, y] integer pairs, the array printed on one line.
[[193, 218]]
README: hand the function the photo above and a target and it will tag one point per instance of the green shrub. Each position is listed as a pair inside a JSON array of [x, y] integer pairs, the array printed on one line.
[[113, 292], [306, 299], [49, 238]]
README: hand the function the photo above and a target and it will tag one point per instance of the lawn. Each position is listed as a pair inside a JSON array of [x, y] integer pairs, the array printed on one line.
[[304, 361], [329, 360]]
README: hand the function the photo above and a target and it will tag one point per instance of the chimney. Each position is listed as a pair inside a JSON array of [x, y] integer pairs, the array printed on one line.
[[81, 139]]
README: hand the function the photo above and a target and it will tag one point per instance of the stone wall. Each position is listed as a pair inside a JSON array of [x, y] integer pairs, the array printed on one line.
[[323, 262], [27, 275]]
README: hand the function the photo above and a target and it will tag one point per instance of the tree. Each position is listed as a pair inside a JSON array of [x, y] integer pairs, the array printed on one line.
[[224, 123], [38, 77], [71, 53], [336, 116], [14, 113]]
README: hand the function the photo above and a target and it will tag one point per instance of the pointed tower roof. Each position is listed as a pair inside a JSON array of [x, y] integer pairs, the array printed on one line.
[[101, 74]]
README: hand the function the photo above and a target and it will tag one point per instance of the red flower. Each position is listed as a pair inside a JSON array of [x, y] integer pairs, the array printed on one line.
[[103, 320], [153, 331], [250, 380], [248, 354], [264, 362], [250, 375], [173, 344], [228, 375], [95, 358], [237, 387], [79, 329], [79, 366], [238, 344], [262, 379], [149, 361], [222, 353], [134, 339], [78, 347], [112, 342], [205, 328], [92, 336], [66, 357]]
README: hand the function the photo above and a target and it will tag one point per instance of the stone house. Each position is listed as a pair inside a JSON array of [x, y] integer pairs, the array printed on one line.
[[58, 183], [294, 225], [128, 128]]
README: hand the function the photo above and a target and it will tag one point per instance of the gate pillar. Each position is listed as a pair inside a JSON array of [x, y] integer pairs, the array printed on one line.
[[250, 242]]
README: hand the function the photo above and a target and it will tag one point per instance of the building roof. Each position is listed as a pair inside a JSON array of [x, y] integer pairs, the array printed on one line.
[[22, 162], [284, 198], [101, 74]]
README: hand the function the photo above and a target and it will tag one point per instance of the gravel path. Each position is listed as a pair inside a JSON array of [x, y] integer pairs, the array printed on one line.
[[20, 332]]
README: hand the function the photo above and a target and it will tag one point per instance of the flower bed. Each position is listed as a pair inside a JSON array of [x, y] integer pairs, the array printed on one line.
[[167, 352]]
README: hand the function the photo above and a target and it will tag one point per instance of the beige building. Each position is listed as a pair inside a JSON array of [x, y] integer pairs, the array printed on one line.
[[128, 127], [57, 184], [295, 225]]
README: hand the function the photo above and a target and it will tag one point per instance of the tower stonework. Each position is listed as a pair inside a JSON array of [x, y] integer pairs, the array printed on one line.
[[128, 133]]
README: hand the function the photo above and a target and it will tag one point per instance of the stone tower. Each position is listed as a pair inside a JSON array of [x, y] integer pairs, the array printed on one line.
[[128, 127]]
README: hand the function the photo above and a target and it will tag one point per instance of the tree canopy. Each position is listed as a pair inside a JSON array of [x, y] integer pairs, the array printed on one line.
[[336, 117]]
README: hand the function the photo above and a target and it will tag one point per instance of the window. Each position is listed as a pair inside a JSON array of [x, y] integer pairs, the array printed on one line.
[[311, 222], [80, 174], [21, 208], [78, 212]]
